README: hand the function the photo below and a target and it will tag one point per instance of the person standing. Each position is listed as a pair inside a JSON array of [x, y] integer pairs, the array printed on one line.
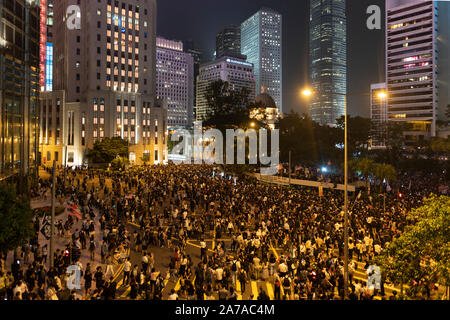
[[126, 272], [242, 280], [87, 280]]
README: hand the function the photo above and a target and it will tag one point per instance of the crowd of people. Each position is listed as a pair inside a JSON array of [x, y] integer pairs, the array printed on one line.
[[290, 237]]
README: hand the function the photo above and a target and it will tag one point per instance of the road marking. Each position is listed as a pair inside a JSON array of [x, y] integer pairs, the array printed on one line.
[[127, 291], [254, 290], [270, 291], [239, 290], [177, 285]]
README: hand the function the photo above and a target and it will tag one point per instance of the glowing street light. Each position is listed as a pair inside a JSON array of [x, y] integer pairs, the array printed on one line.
[[307, 92], [382, 95]]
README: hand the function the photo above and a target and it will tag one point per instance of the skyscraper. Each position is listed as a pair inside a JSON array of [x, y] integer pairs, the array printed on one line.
[[328, 59], [228, 42], [104, 83], [19, 88], [237, 72], [175, 81], [261, 40], [417, 64], [191, 48]]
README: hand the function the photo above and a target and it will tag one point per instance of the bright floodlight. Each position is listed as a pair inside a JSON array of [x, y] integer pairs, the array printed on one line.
[[306, 92], [382, 95], [324, 169], [252, 124]]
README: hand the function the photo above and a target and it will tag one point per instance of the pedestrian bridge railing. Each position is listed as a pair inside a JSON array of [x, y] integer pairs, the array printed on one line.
[[307, 183]]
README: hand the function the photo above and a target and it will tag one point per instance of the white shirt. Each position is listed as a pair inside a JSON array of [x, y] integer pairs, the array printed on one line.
[[173, 296], [283, 268], [219, 274]]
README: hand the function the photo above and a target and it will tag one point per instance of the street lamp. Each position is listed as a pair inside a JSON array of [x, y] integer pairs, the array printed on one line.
[[307, 92]]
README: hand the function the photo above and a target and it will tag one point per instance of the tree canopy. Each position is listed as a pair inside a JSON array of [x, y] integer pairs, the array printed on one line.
[[421, 255], [228, 108], [107, 149], [15, 219]]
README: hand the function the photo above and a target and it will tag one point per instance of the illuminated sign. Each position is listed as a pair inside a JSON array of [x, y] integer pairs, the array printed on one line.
[[49, 67], [240, 62], [42, 44]]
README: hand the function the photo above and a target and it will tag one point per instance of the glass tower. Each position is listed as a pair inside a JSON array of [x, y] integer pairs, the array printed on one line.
[[328, 59], [261, 37], [228, 42], [19, 89]]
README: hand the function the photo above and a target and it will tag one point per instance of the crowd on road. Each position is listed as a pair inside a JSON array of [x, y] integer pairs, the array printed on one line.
[[290, 237]]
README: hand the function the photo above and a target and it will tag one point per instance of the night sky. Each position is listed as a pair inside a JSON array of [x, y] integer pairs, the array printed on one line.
[[200, 20]]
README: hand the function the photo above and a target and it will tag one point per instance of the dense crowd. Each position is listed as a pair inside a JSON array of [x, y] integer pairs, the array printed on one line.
[[172, 204]]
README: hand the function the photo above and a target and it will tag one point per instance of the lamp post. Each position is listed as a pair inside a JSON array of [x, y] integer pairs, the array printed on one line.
[[382, 95]]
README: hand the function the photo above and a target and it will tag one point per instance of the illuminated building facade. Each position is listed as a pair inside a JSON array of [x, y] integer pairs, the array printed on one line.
[[417, 64], [19, 89], [261, 42], [175, 81], [107, 73], [237, 72], [328, 60]]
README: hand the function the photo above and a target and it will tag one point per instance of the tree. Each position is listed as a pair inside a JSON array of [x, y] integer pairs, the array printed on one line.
[[309, 142], [228, 108], [358, 133], [16, 216], [440, 145], [119, 163], [107, 149], [421, 255]]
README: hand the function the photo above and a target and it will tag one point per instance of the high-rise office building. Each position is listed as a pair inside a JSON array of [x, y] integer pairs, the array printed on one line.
[[104, 83], [417, 64], [328, 60], [19, 88], [237, 72], [175, 81], [378, 115], [228, 42], [190, 47], [261, 42]]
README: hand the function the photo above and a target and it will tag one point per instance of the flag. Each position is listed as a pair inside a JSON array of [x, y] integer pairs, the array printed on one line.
[[72, 211], [130, 196], [320, 191], [388, 188]]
